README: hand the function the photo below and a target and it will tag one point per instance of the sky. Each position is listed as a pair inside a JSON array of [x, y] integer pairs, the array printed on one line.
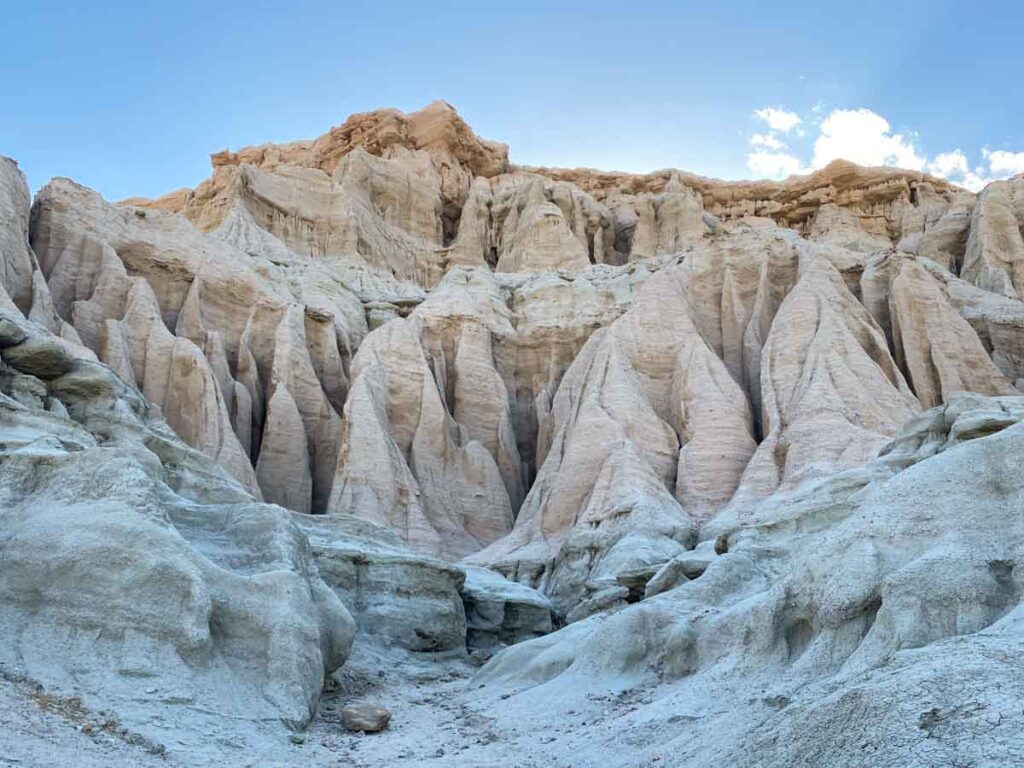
[[131, 98]]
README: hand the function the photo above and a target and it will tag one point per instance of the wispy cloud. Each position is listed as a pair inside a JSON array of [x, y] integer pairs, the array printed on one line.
[[766, 158]]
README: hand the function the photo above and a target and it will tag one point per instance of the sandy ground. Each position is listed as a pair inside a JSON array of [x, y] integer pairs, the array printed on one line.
[[437, 718], [39, 730], [440, 716]]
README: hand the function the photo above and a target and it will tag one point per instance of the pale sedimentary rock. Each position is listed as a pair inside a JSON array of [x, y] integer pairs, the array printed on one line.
[[128, 555], [842, 227], [937, 348], [682, 415], [405, 462], [995, 249], [206, 331], [938, 226], [823, 609], [18, 263], [397, 597], [439, 432], [23, 287], [624, 476], [831, 392], [998, 321], [500, 612]]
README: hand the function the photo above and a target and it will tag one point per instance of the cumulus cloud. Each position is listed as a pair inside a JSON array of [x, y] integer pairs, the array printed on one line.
[[866, 138], [766, 140], [1004, 164], [955, 167], [778, 119], [772, 165], [949, 164]]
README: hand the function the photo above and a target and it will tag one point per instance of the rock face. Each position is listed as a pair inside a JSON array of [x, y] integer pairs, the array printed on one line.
[[746, 449], [500, 612], [128, 555], [828, 604], [995, 250], [395, 596], [246, 359]]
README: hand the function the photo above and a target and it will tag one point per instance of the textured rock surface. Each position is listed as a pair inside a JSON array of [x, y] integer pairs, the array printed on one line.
[[394, 595], [824, 604], [731, 468], [995, 249], [246, 359], [128, 556], [500, 612]]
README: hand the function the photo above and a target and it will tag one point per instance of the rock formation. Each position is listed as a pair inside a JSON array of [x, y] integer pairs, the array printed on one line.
[[128, 555], [722, 465], [995, 249]]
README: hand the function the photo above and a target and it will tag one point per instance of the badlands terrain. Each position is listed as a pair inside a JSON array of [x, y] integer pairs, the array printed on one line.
[[561, 467]]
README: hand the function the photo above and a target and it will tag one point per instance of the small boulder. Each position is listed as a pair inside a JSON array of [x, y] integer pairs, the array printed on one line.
[[10, 333], [669, 576], [603, 600], [368, 718], [683, 567], [40, 356]]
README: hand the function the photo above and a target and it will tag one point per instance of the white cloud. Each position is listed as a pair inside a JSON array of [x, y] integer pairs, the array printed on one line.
[[972, 181], [1004, 164], [778, 119], [955, 167], [864, 137], [772, 165], [950, 164], [766, 140]]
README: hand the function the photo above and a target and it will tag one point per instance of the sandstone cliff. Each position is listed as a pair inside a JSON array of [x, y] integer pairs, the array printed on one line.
[[750, 434]]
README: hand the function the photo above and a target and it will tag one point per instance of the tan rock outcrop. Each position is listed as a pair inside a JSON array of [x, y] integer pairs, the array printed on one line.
[[998, 321], [570, 370], [18, 262], [831, 392], [939, 351], [626, 470], [437, 130], [937, 227], [995, 249], [878, 196], [205, 330], [439, 432], [23, 287], [448, 496]]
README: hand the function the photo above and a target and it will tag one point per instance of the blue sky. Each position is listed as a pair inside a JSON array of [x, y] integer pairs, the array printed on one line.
[[131, 98]]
